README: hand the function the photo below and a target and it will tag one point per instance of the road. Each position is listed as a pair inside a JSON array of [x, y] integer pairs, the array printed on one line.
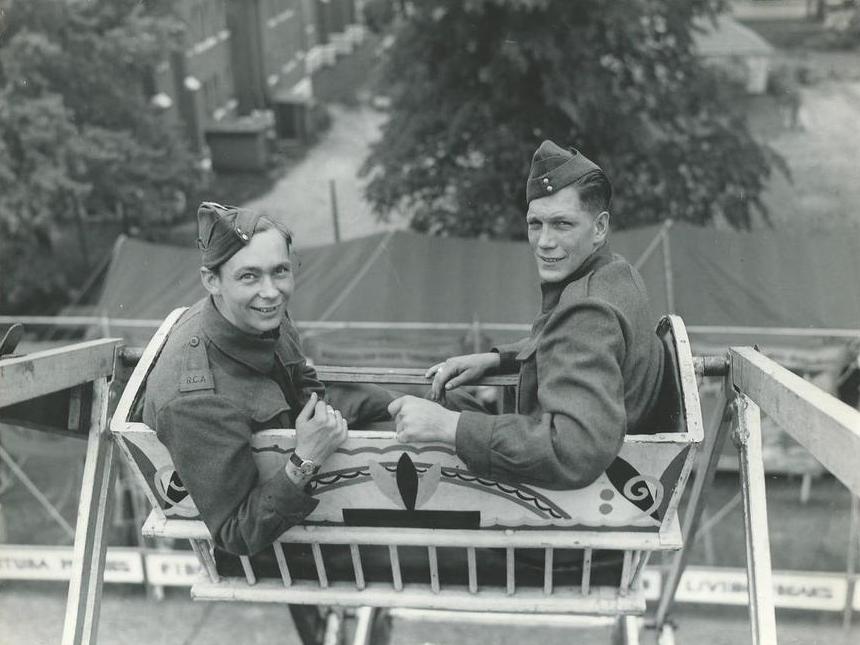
[[302, 198], [822, 155]]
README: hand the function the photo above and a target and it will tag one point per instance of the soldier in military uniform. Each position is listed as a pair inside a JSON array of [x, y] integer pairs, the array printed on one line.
[[590, 370], [233, 366]]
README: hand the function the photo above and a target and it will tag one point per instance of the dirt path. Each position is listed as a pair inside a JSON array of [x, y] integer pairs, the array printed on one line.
[[822, 153], [302, 198]]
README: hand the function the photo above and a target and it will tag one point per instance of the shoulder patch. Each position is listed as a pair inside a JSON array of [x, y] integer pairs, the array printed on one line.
[[193, 380], [195, 374]]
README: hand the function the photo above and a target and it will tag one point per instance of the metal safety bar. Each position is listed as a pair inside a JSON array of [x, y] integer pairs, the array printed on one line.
[[754, 384]]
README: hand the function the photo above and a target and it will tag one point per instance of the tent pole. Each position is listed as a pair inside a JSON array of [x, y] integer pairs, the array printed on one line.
[[334, 216], [667, 269], [652, 245]]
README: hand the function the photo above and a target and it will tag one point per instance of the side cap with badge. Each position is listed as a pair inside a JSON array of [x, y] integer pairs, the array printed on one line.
[[553, 168], [222, 231]]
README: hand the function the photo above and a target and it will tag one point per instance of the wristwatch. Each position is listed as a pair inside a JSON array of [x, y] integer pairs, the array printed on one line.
[[305, 466]]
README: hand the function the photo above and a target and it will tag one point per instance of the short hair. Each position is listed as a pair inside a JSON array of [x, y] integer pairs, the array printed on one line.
[[595, 191], [266, 224]]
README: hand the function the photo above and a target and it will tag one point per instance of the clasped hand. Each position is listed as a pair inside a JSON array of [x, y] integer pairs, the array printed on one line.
[[422, 420], [320, 429]]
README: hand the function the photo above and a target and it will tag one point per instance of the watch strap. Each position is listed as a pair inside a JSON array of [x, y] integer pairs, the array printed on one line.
[[301, 464]]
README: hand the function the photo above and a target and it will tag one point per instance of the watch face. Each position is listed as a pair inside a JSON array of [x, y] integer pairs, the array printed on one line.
[[305, 466], [308, 467]]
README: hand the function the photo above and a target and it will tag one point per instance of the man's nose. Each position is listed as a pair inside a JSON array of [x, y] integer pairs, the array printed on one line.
[[546, 239], [268, 288]]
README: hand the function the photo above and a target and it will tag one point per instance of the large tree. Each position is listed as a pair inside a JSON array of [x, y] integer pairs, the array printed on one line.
[[79, 140], [475, 86]]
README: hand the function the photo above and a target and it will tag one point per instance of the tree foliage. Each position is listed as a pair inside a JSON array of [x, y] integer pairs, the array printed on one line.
[[476, 85], [78, 137]]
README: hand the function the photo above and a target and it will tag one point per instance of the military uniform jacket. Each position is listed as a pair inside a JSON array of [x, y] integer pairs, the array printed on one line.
[[590, 371], [212, 387]]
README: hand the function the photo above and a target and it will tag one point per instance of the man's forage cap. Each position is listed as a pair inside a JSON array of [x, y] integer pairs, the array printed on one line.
[[553, 168], [222, 231]]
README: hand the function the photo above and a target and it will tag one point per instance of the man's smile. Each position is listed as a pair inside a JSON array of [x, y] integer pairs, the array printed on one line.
[[549, 260], [266, 310]]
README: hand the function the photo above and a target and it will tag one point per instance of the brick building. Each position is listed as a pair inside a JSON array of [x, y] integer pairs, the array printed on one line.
[[246, 55]]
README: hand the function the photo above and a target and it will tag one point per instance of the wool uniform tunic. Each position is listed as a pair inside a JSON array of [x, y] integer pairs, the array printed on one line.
[[215, 385], [589, 372]]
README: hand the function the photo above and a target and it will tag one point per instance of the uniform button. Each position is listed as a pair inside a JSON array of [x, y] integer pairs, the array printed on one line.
[[194, 342], [549, 189], [546, 180]]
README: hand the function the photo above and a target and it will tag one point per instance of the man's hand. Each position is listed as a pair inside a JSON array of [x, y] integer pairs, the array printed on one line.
[[460, 370], [421, 420], [320, 429]]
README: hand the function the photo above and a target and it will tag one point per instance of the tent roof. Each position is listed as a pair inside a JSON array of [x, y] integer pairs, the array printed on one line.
[[766, 278]]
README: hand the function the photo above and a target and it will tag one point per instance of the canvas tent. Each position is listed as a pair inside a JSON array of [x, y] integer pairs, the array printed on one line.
[[761, 279], [721, 282]]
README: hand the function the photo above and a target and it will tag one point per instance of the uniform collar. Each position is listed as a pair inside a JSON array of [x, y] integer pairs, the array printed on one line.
[[257, 352], [551, 291]]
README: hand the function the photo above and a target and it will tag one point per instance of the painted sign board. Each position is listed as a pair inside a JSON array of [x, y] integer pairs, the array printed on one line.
[[55, 563], [172, 569], [796, 590]]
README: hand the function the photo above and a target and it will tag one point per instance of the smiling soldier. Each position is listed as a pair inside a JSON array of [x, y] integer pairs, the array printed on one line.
[[233, 366], [590, 370]]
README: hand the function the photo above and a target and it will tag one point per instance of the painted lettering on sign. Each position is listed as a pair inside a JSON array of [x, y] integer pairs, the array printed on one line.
[[820, 591], [173, 569], [55, 563]]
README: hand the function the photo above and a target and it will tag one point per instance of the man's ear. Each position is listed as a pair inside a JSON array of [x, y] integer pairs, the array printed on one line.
[[211, 281], [601, 227]]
